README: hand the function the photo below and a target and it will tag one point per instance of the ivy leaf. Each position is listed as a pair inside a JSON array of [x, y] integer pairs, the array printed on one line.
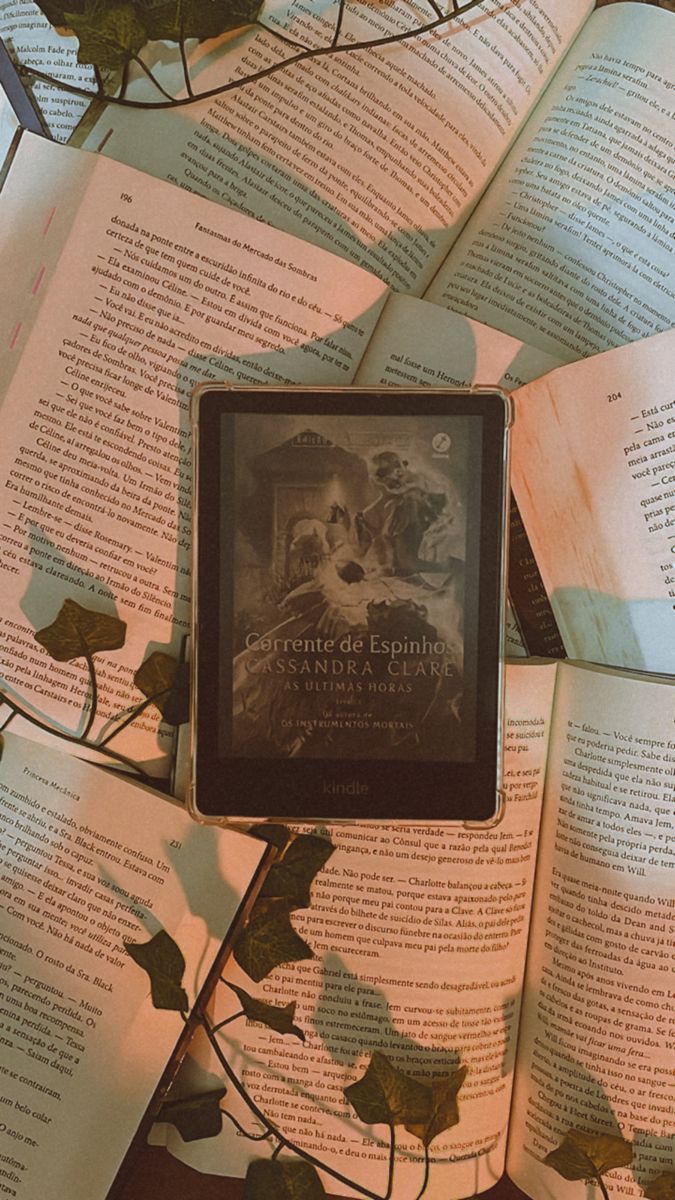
[[584, 1155], [385, 1095], [292, 876], [662, 1187], [164, 963], [269, 831], [109, 33], [292, 1180], [268, 939], [196, 1116], [78, 631], [273, 1016], [166, 681], [173, 20], [55, 13], [444, 1110]]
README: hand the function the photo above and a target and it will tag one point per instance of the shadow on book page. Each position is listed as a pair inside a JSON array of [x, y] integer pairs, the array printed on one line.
[[637, 634]]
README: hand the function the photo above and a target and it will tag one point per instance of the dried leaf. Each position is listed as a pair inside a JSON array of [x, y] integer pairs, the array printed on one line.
[[270, 831], [79, 631], [166, 680], [268, 940], [171, 20], [583, 1155], [55, 13], [273, 1016], [444, 1112], [662, 1187], [196, 1116], [109, 33], [292, 876], [385, 1095], [270, 1179], [164, 963]]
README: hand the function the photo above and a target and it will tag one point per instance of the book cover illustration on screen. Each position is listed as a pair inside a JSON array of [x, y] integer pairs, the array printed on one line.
[[355, 553]]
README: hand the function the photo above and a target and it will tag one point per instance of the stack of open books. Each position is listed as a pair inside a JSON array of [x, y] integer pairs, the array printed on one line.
[[486, 204]]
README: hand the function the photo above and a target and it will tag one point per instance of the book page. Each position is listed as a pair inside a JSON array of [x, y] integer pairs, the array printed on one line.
[[513, 639], [377, 155], [417, 344], [89, 862], [597, 1037], [8, 125], [32, 41], [133, 293], [571, 249], [593, 454], [419, 934]]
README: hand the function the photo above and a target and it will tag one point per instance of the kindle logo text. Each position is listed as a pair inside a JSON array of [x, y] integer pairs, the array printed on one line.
[[353, 788]]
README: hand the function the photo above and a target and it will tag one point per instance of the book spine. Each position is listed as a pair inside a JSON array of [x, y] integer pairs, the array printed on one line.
[[529, 601]]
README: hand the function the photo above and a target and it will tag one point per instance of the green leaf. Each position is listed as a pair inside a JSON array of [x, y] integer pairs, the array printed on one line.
[[385, 1095], [166, 681], [292, 876], [273, 1016], [196, 1116], [584, 1155], [270, 1179], [109, 33], [444, 1110], [172, 20], [79, 631], [165, 965], [268, 939], [662, 1187], [55, 13]]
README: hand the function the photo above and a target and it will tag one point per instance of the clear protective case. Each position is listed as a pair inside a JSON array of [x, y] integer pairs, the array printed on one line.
[[349, 567]]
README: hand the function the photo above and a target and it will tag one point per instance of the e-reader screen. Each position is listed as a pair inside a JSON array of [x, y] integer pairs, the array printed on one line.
[[348, 596]]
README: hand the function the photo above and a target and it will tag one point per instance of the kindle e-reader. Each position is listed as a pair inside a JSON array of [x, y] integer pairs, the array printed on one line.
[[349, 552]]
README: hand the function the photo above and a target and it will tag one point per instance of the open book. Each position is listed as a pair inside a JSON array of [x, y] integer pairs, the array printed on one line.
[[28, 38], [593, 470], [126, 293], [90, 863], [557, 121], [447, 947]]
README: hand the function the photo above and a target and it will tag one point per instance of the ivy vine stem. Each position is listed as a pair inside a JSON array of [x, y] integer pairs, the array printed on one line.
[[135, 712], [75, 738], [183, 56], [144, 67], [602, 1185], [234, 1017], [124, 82], [93, 706], [283, 1141], [281, 36], [252, 1137], [425, 1180], [303, 55], [7, 721], [338, 23]]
